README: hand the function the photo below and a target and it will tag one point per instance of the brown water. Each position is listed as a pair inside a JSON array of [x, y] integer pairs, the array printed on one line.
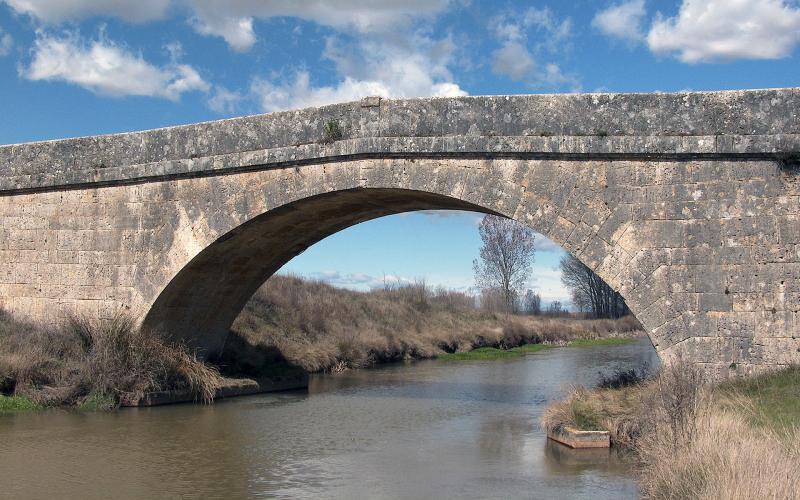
[[430, 429]]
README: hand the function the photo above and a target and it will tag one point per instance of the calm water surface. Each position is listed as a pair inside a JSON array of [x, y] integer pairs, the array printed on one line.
[[429, 429]]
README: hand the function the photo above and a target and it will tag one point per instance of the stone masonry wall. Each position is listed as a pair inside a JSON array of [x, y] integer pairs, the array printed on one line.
[[706, 253], [687, 203]]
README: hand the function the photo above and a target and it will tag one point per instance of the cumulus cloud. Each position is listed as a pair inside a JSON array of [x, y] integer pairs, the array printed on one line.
[[525, 37], [107, 68], [57, 11], [391, 55], [415, 67], [514, 60], [233, 20], [725, 30], [622, 21], [6, 42], [236, 31], [224, 101]]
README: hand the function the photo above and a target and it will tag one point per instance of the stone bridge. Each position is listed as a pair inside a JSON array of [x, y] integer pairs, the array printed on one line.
[[687, 204]]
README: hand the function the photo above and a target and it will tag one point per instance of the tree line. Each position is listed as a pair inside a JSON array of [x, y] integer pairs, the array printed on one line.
[[505, 266]]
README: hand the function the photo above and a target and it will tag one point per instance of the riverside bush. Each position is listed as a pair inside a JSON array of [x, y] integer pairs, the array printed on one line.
[[694, 440], [80, 360]]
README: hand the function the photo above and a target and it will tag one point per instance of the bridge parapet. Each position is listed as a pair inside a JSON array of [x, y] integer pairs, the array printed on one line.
[[749, 124]]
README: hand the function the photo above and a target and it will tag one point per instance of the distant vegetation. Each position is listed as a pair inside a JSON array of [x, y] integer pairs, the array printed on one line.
[[693, 440]]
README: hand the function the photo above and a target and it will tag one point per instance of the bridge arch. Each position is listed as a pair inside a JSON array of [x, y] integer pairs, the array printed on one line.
[[567, 202], [685, 203]]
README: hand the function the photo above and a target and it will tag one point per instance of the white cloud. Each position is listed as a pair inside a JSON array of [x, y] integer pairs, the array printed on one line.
[[526, 37], [236, 31], [388, 57], [409, 67], [622, 20], [359, 281], [514, 60], [6, 42], [542, 244], [104, 67], [547, 283], [57, 11], [233, 20], [224, 101], [725, 30]]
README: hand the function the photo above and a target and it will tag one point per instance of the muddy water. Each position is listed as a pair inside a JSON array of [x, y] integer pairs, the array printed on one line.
[[430, 429]]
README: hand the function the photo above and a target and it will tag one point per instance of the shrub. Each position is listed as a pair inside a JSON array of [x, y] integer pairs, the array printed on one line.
[[81, 360]]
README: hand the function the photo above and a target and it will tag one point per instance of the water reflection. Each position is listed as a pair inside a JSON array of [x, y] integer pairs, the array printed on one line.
[[420, 430]]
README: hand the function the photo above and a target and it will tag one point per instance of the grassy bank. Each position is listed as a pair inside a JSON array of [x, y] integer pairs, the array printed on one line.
[[290, 325], [92, 364], [17, 403], [738, 439], [323, 328]]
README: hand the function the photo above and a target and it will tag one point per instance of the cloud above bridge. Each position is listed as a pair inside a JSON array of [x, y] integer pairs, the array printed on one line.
[[248, 56], [6, 43], [525, 38], [624, 21], [105, 67], [708, 31], [414, 66], [392, 56], [725, 30], [233, 20]]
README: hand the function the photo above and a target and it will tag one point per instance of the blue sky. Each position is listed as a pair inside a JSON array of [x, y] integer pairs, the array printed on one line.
[[82, 67]]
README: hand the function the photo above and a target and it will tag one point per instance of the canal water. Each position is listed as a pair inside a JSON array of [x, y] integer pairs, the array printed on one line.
[[421, 430]]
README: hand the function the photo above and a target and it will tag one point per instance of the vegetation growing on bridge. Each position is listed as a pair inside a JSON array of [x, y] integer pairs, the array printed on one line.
[[693, 440]]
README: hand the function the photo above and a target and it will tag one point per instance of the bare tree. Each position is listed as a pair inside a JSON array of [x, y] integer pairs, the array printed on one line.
[[589, 292], [556, 309], [532, 304], [505, 257]]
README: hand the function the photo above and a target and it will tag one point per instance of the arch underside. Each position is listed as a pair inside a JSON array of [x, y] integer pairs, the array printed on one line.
[[676, 239], [200, 304]]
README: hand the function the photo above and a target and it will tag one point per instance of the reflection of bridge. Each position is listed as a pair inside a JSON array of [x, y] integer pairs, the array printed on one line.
[[688, 204]]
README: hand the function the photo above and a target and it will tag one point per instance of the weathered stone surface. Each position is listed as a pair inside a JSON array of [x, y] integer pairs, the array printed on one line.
[[682, 202]]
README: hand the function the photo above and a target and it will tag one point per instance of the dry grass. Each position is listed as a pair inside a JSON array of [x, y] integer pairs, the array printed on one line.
[[320, 328], [80, 360], [693, 440], [726, 459]]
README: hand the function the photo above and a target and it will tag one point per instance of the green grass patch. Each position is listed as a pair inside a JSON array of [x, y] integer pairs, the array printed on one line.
[[17, 403], [97, 401], [775, 396], [482, 353], [487, 353], [609, 341]]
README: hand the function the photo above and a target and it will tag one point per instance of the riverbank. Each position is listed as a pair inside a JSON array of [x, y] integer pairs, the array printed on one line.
[[323, 328], [289, 328], [737, 439]]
